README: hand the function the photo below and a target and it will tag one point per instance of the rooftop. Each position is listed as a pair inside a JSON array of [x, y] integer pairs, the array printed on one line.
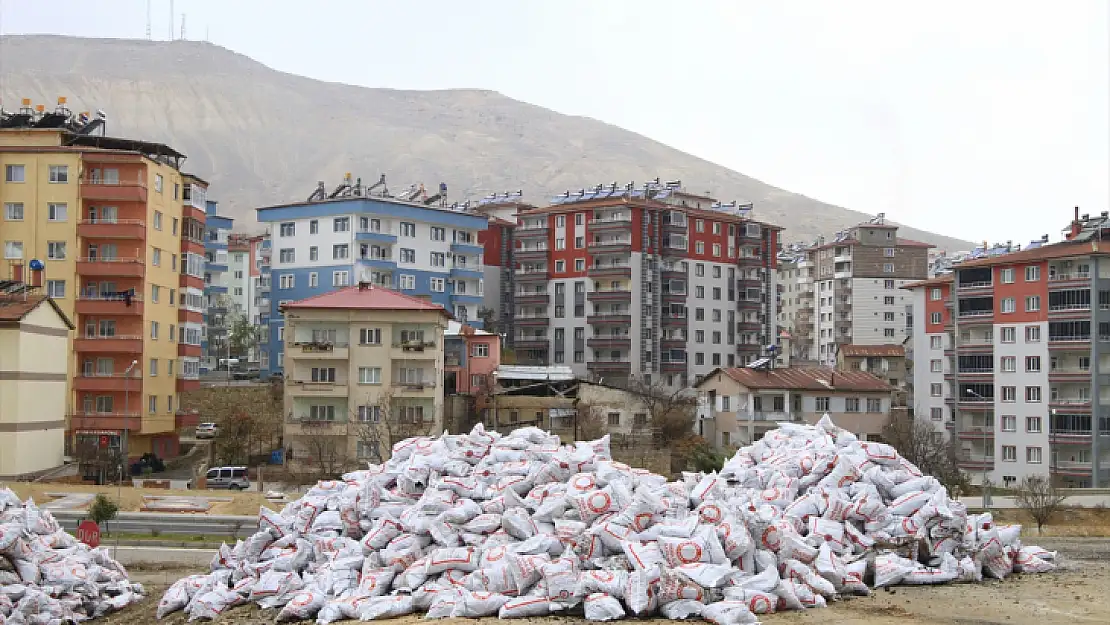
[[13, 308], [937, 281], [890, 350], [366, 297], [455, 328], [806, 379], [556, 373], [1046, 252]]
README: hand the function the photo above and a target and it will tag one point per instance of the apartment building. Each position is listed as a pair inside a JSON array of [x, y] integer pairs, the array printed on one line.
[[363, 369], [471, 356], [112, 224], [34, 382], [217, 287], [847, 291], [649, 281], [737, 406], [1012, 357], [407, 242]]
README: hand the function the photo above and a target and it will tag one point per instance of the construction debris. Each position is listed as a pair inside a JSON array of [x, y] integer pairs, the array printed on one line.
[[521, 526], [47, 576]]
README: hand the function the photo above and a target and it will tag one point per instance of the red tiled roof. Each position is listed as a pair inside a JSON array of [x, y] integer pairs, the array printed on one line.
[[890, 350], [945, 279], [367, 298], [807, 379], [1047, 252], [14, 308]]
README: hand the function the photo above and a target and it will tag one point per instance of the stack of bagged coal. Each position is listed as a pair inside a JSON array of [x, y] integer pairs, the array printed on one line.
[[47, 576], [521, 526]]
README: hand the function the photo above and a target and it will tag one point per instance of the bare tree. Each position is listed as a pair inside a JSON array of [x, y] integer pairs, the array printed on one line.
[[919, 443], [250, 420], [326, 445], [1040, 498], [381, 424], [670, 411], [588, 423]]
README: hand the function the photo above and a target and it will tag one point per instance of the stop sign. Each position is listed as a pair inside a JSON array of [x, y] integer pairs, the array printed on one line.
[[88, 532]]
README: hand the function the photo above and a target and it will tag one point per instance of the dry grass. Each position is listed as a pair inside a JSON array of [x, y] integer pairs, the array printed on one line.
[[1069, 522], [241, 504]]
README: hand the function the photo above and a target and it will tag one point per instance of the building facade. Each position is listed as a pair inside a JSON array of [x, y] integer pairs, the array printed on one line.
[[649, 282], [737, 406], [471, 356], [427, 251], [848, 291], [1013, 360], [363, 369], [217, 288], [35, 362], [113, 223]]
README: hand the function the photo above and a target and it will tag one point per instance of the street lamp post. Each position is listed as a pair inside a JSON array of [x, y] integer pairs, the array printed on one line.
[[986, 486], [126, 413]]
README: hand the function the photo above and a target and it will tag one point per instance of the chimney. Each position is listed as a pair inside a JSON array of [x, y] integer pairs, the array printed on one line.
[[1074, 225]]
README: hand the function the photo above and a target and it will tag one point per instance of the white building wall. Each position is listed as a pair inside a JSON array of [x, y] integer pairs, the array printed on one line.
[[1020, 379], [927, 406], [874, 321], [302, 241], [824, 321], [707, 283]]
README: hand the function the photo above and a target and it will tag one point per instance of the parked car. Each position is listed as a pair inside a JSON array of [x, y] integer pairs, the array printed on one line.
[[231, 478], [207, 430]]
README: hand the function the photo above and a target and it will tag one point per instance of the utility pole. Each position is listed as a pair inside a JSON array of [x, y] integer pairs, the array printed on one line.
[[148, 20], [171, 20]]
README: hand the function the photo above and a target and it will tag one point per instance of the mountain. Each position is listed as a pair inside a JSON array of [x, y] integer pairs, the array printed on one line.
[[261, 136]]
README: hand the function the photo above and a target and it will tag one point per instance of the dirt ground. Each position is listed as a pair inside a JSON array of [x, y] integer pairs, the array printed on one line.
[[1074, 594], [242, 504]]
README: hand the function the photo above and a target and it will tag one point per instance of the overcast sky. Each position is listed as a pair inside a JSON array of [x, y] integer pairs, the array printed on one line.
[[984, 119]]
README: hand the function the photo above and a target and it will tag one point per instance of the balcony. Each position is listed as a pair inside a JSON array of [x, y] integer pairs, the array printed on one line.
[[610, 295], [1070, 342], [1071, 404], [610, 271], [375, 237], [976, 432], [111, 267], [385, 263], [611, 222], [531, 341], [974, 286], [609, 366], [1069, 311], [474, 273], [413, 389], [466, 298], [108, 305], [108, 382], [305, 425], [530, 297], [531, 320], [536, 252], [750, 261], [107, 229], [1069, 375], [805, 264], [98, 190], [623, 341], [608, 317], [674, 296], [117, 344], [675, 225], [672, 366], [414, 350], [530, 230], [308, 388], [672, 320], [320, 351], [130, 421], [672, 271], [1066, 280], [672, 342], [531, 275], [472, 249], [843, 274], [976, 314], [609, 245], [745, 303], [975, 462]]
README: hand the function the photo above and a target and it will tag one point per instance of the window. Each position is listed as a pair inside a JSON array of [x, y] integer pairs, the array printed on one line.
[[1008, 305], [59, 174], [158, 183], [1009, 364], [579, 242], [699, 225], [173, 226], [369, 375], [936, 414], [370, 336], [888, 285], [934, 294], [874, 405], [699, 270], [437, 233], [439, 259], [407, 282], [936, 366], [340, 278], [1009, 423], [341, 224], [155, 257], [323, 374], [314, 227], [480, 350], [1009, 334], [560, 266], [313, 280], [888, 252], [56, 289], [1032, 273], [580, 219], [321, 413], [313, 253], [1032, 303], [1009, 393], [155, 292], [1032, 334], [408, 229], [935, 342], [716, 249], [1033, 455], [1032, 394], [287, 255], [1009, 453], [56, 250], [1007, 275], [286, 281], [580, 264], [613, 419], [560, 243], [935, 318], [560, 221], [154, 330], [1033, 425], [851, 404], [152, 404], [408, 256], [888, 332], [13, 211], [716, 271], [288, 229], [888, 267], [888, 300], [14, 173], [56, 211], [153, 367], [699, 292], [699, 247], [436, 285], [342, 251], [699, 336], [888, 316], [821, 404], [1032, 364], [477, 380]]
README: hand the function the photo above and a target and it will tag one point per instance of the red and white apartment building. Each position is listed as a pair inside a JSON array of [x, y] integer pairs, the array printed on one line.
[[1012, 358], [654, 282]]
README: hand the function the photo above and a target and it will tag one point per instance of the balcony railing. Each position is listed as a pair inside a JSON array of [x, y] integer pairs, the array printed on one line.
[[963, 314], [1070, 338], [985, 284], [1067, 307], [1069, 277]]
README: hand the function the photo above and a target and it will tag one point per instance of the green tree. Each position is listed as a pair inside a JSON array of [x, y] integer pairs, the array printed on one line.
[[243, 334], [102, 510], [490, 321]]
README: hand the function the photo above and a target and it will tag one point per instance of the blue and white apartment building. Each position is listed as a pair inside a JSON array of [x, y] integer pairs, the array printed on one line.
[[320, 246], [216, 230]]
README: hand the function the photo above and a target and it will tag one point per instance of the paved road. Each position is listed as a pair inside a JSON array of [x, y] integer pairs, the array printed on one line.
[[131, 556]]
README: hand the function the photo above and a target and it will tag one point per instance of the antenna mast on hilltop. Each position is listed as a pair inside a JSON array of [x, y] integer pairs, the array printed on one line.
[[148, 20], [171, 20]]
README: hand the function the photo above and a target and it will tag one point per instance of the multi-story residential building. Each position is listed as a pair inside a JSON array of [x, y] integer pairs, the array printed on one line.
[[737, 406], [847, 291], [883, 361], [363, 368], [651, 282], [327, 243], [217, 290], [34, 383], [1012, 359], [471, 356], [112, 222]]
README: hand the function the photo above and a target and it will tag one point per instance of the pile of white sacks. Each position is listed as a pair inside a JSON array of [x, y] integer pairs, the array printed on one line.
[[47, 577], [521, 526]]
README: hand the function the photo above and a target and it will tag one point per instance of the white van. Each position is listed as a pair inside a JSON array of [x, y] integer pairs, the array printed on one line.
[[231, 478]]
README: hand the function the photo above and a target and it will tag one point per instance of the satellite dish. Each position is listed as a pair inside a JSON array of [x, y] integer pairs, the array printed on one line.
[[36, 265]]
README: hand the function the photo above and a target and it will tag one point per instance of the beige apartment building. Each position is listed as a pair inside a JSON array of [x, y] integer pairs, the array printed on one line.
[[34, 369], [363, 370], [737, 406]]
